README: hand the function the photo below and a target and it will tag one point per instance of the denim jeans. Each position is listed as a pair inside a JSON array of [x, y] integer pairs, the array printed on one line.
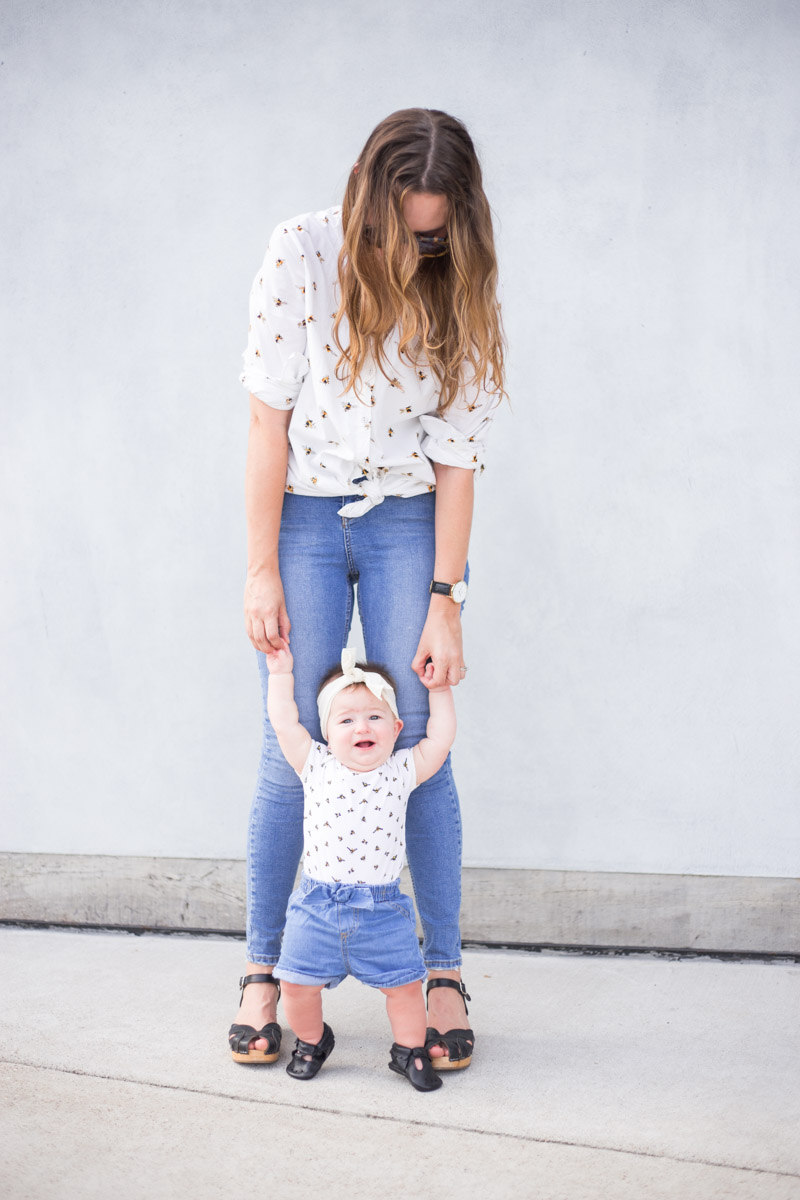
[[389, 552]]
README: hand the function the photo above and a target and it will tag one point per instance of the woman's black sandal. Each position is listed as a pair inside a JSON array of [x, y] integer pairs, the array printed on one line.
[[458, 1043], [240, 1036], [306, 1068], [423, 1078]]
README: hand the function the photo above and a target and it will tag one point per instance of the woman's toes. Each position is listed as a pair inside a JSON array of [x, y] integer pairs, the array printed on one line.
[[437, 1052]]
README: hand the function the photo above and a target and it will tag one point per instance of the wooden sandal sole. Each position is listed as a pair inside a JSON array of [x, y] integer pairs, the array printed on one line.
[[255, 1057], [449, 1064]]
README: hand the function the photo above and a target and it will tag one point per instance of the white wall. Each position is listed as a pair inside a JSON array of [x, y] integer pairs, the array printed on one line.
[[632, 628]]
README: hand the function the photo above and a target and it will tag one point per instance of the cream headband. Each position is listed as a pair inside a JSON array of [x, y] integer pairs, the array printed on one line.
[[352, 674]]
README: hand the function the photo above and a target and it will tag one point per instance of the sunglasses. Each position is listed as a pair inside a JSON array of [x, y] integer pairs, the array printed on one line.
[[428, 245], [432, 247]]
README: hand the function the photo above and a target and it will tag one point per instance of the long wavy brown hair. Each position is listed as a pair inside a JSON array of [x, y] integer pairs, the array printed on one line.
[[445, 309]]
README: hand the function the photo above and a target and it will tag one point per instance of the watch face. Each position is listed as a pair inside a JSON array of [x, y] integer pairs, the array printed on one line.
[[459, 592]]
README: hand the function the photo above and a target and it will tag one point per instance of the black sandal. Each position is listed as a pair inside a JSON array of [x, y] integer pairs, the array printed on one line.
[[306, 1068], [240, 1036], [423, 1078], [458, 1043]]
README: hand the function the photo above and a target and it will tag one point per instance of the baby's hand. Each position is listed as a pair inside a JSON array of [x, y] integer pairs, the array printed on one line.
[[445, 687], [280, 662]]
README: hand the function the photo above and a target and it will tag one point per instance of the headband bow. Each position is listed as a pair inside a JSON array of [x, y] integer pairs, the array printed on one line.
[[352, 674]]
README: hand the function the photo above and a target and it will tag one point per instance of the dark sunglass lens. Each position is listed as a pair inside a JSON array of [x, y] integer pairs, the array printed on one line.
[[433, 247]]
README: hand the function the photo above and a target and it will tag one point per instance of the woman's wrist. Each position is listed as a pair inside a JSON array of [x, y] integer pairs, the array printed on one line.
[[264, 567], [443, 606]]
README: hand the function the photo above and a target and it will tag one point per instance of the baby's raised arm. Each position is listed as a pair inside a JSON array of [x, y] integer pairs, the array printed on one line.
[[293, 739], [430, 753]]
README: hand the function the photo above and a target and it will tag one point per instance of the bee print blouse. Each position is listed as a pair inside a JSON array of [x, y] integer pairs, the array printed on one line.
[[354, 821], [381, 442]]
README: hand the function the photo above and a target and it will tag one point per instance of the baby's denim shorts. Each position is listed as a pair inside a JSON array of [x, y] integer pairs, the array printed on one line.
[[339, 929]]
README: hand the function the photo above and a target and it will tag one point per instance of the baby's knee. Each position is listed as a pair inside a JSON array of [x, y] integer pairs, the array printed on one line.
[[405, 991], [296, 991]]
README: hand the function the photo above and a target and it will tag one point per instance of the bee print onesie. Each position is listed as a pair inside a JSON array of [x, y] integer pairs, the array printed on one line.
[[354, 821]]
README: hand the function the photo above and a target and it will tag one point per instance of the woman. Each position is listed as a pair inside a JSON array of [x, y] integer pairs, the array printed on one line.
[[374, 364]]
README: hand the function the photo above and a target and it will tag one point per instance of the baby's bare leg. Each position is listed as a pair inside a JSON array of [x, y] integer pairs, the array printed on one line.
[[302, 1004], [406, 1008]]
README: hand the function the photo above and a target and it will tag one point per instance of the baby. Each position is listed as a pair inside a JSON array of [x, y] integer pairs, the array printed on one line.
[[348, 916]]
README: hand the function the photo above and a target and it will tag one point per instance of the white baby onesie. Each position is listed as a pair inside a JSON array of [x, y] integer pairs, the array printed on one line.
[[354, 821]]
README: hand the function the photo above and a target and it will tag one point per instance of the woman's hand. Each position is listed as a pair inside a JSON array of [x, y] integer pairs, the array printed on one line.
[[441, 643], [265, 617]]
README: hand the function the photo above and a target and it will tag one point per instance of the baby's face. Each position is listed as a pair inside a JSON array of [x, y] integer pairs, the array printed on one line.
[[362, 730]]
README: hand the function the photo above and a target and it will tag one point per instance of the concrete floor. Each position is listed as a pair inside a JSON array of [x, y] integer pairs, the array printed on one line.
[[617, 1078]]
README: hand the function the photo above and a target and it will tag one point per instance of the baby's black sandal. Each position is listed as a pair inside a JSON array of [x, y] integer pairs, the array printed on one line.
[[458, 1043], [422, 1077], [306, 1068], [240, 1036]]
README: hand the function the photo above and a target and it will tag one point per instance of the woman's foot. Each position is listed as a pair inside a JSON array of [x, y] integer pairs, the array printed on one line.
[[447, 1010], [259, 1006]]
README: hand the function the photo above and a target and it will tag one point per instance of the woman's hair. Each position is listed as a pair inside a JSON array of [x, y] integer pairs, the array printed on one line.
[[376, 668], [445, 309]]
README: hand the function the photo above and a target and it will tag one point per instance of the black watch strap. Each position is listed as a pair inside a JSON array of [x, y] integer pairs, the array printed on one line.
[[440, 589]]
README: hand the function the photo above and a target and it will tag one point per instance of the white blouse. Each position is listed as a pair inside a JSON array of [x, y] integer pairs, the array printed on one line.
[[379, 443]]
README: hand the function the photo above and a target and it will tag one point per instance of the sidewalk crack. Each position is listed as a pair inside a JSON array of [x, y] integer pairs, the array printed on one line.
[[392, 1120]]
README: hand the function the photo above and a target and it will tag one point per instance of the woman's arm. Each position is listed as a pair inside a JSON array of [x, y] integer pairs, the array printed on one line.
[[266, 619], [441, 636]]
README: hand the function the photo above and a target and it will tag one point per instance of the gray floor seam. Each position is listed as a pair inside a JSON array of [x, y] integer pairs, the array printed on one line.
[[335, 1112]]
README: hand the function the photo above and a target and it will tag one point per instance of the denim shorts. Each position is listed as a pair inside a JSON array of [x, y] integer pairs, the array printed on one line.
[[337, 929]]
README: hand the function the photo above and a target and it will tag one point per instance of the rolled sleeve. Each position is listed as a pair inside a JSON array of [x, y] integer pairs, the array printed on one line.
[[275, 362], [458, 437]]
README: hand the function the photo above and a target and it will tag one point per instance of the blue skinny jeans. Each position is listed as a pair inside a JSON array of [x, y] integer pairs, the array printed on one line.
[[389, 552]]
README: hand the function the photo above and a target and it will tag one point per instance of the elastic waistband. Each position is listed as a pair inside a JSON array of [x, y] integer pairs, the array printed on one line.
[[346, 893]]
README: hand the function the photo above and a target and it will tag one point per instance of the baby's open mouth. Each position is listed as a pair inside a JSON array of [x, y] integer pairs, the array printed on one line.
[[365, 745]]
